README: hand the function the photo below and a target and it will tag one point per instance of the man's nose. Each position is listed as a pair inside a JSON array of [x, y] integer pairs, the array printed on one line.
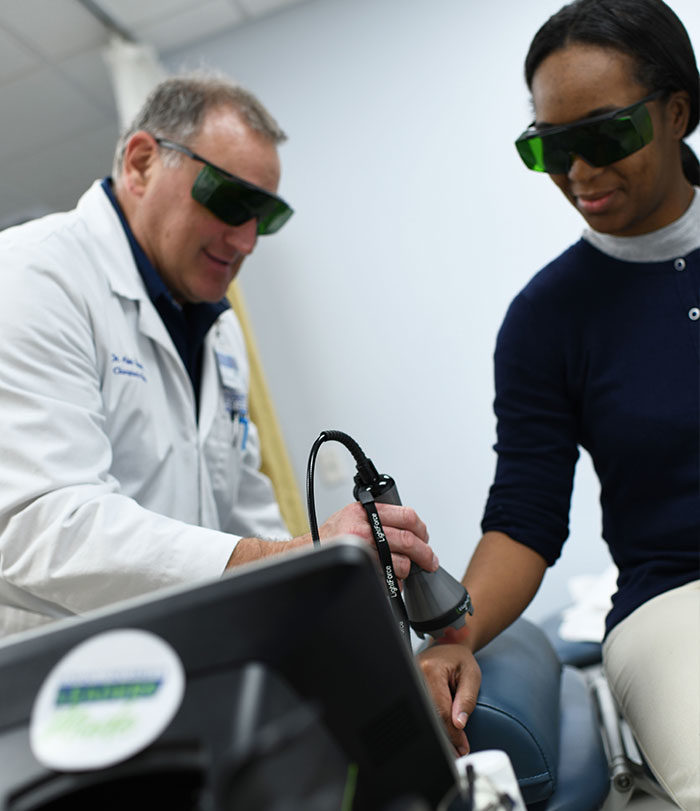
[[243, 237]]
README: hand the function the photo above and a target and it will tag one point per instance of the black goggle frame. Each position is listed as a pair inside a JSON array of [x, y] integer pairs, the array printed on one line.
[[600, 140], [232, 199]]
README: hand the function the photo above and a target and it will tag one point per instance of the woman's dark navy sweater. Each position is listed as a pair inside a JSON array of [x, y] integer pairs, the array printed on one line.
[[604, 354]]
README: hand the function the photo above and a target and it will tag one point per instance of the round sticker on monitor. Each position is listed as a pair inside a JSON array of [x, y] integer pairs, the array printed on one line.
[[107, 699]]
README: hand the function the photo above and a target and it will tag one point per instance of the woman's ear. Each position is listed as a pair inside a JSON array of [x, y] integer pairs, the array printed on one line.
[[678, 113]]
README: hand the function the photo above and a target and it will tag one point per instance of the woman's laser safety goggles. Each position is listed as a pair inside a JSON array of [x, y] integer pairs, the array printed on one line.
[[599, 140], [231, 198]]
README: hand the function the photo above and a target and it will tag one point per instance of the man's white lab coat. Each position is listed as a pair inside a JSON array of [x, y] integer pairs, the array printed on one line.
[[109, 487]]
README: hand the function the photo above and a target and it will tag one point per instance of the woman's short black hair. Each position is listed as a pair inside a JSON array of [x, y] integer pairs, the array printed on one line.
[[648, 31]]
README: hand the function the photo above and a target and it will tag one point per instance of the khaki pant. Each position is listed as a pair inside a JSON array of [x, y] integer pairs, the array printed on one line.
[[652, 663]]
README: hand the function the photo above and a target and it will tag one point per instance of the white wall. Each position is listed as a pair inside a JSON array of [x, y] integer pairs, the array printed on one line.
[[377, 307]]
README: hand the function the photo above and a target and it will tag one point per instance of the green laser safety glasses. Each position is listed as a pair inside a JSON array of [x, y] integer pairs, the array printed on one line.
[[231, 198], [599, 140]]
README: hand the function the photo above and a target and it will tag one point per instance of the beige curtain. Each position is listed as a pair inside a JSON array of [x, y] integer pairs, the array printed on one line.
[[275, 459]]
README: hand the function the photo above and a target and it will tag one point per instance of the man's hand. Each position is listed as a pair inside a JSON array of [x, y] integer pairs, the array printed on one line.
[[453, 677], [406, 534]]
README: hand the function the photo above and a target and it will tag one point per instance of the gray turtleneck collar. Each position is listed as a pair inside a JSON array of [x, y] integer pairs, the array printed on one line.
[[677, 239]]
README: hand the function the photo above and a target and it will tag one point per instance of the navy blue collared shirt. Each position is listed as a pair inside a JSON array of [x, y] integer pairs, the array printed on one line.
[[187, 324]]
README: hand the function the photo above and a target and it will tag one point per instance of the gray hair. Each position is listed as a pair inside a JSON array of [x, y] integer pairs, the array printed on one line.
[[176, 109]]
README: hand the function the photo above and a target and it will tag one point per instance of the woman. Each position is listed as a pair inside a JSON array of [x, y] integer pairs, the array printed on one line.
[[601, 350]]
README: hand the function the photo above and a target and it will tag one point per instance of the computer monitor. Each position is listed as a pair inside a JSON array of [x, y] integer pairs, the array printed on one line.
[[299, 692]]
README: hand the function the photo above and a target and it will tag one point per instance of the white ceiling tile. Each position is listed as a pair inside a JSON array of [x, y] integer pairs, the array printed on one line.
[[55, 29], [87, 154], [256, 8], [98, 144], [133, 14], [71, 165], [85, 157], [59, 122], [45, 109], [15, 58], [88, 71], [195, 22]]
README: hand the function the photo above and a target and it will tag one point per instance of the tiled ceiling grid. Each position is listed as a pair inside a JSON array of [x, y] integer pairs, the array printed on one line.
[[59, 123]]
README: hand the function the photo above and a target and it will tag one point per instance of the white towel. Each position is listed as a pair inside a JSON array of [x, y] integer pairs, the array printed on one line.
[[584, 619]]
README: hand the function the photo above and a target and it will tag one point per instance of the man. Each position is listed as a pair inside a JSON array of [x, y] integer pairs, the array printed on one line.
[[128, 462]]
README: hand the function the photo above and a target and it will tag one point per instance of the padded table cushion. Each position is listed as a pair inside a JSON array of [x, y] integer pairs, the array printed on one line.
[[518, 706], [543, 717]]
